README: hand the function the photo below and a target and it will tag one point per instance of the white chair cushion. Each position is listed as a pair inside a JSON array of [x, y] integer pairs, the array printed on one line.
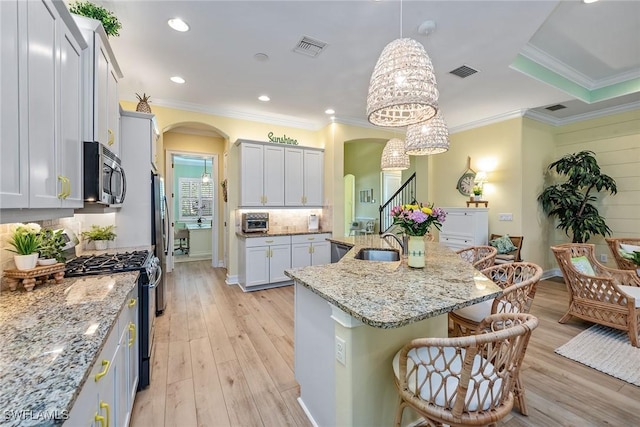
[[629, 248], [423, 355], [583, 265], [479, 311], [634, 291]]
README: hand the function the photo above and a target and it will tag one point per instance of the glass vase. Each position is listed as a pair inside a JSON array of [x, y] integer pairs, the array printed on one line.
[[415, 251]]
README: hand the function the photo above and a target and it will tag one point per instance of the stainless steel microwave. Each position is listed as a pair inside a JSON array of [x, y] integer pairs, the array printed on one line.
[[104, 179]]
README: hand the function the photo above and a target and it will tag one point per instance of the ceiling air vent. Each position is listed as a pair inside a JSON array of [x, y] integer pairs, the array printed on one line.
[[310, 47], [463, 71], [555, 107]]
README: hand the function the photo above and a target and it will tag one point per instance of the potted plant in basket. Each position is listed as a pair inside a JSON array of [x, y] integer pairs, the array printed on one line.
[[25, 238], [477, 193], [100, 236], [51, 246]]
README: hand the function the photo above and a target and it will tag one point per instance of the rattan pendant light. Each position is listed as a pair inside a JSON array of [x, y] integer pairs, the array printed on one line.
[[394, 156], [430, 137]]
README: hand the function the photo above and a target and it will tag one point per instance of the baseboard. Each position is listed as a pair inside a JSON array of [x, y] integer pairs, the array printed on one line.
[[221, 263], [265, 286], [231, 279], [306, 412], [548, 274]]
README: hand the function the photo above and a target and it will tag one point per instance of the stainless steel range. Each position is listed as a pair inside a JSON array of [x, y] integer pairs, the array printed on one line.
[[150, 276]]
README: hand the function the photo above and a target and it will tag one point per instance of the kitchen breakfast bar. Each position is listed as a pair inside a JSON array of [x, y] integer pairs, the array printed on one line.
[[351, 317]]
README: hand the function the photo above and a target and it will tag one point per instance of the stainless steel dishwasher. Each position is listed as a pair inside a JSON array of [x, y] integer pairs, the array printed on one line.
[[338, 250]]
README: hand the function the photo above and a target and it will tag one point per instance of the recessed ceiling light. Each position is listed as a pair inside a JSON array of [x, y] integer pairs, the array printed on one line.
[[264, 98], [262, 57], [178, 24], [589, 1], [329, 111], [177, 79]]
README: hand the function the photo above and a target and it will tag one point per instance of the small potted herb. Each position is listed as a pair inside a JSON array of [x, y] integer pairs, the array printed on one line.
[[477, 193], [25, 239], [100, 236], [51, 246]]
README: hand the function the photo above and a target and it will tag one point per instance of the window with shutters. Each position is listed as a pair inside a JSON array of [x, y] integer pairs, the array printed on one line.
[[196, 199]]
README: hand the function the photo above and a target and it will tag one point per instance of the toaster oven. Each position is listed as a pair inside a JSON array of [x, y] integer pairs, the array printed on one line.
[[255, 222]]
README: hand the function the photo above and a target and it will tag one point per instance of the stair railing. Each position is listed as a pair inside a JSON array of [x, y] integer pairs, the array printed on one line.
[[405, 194]]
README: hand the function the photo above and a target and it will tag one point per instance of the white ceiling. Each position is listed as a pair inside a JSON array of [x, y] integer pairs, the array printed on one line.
[[585, 47]]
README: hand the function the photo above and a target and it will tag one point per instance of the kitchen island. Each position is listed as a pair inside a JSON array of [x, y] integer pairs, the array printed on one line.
[[351, 317]]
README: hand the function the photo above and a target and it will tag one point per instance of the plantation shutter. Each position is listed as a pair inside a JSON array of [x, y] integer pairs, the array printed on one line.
[[195, 198]]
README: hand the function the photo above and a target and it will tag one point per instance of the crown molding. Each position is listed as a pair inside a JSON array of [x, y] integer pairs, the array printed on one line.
[[487, 121], [541, 117], [280, 120]]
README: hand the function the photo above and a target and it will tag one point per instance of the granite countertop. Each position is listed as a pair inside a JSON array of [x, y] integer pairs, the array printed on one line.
[[50, 339], [391, 294], [288, 231]]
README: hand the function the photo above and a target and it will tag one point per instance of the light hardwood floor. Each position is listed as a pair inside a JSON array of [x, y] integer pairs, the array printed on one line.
[[225, 358]]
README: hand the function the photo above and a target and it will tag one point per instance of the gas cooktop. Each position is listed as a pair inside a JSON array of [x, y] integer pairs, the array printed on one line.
[[107, 263]]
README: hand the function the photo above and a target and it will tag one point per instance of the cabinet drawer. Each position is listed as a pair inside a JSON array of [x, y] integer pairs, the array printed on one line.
[[456, 241], [267, 241], [310, 238]]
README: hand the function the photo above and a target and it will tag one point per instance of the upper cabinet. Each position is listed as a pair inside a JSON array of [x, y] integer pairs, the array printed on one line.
[[101, 110], [274, 175], [261, 175], [41, 140], [303, 176]]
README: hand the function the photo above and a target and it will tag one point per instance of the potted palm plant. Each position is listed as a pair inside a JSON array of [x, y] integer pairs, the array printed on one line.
[[573, 202], [100, 236]]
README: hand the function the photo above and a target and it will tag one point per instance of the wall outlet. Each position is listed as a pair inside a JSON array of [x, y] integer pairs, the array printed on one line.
[[341, 350], [505, 217], [604, 258]]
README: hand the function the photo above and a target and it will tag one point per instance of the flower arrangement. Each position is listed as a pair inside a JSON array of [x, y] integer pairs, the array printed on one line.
[[416, 219], [25, 238]]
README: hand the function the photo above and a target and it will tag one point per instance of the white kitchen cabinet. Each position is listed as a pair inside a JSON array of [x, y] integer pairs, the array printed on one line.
[[465, 227], [303, 176], [263, 260], [41, 128], [110, 388], [261, 174], [101, 109], [310, 249]]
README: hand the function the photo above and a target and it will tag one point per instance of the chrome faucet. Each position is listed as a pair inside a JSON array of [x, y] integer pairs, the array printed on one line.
[[397, 239]]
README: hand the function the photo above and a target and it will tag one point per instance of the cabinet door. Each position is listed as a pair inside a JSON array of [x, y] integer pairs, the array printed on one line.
[[133, 346], [300, 255], [101, 93], [313, 177], [70, 142], [113, 118], [294, 188], [280, 260], [321, 253], [257, 266], [274, 181], [44, 186], [14, 142], [251, 171]]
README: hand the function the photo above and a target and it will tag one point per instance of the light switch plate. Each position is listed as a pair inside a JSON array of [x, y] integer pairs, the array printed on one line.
[[505, 217]]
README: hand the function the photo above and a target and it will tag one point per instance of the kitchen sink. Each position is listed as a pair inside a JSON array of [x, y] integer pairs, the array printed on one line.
[[378, 255]]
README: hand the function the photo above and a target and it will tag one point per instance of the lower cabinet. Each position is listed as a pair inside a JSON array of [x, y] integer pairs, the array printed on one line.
[[106, 398], [310, 249], [263, 260], [465, 227]]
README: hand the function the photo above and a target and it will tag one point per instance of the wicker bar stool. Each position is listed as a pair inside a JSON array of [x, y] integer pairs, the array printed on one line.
[[518, 281], [464, 381], [480, 257]]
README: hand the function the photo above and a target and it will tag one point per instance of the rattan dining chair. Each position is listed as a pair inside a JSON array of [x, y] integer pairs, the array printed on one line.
[[518, 281], [599, 294], [463, 381], [480, 257], [614, 246]]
